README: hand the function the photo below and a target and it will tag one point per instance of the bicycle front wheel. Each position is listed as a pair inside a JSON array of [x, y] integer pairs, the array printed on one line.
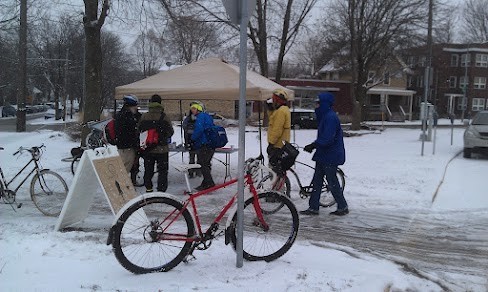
[[48, 192], [153, 235], [260, 244], [282, 186]]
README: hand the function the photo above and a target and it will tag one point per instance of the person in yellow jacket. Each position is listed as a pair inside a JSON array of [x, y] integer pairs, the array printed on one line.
[[278, 129]]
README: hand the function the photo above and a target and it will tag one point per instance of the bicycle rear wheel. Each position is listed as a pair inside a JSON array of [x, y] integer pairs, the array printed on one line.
[[267, 245], [74, 164], [48, 191], [153, 235]]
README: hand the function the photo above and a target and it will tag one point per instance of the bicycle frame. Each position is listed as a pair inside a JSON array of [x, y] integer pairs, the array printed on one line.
[[36, 168], [190, 202]]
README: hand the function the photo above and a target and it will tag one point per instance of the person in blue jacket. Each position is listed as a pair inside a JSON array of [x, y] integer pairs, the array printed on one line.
[[199, 144], [329, 154]]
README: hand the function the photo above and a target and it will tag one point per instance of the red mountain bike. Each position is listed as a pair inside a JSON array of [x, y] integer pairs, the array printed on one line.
[[156, 231]]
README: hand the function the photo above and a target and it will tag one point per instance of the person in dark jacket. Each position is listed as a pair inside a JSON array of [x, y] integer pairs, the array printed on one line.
[[126, 131], [199, 143], [329, 154], [155, 118]]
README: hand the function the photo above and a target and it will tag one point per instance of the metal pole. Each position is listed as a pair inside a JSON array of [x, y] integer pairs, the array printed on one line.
[[427, 73], [65, 85], [242, 128], [464, 103], [435, 136], [22, 94]]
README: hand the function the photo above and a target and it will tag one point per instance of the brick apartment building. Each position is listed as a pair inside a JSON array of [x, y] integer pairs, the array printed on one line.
[[458, 82]]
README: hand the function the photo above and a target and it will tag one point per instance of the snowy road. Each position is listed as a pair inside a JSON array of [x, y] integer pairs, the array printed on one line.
[[428, 246], [435, 243]]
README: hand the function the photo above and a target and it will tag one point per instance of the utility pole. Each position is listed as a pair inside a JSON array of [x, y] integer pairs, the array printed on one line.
[[464, 103], [22, 91], [428, 72], [66, 86]]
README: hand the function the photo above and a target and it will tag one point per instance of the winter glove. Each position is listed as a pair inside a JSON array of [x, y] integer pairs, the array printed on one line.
[[310, 147]]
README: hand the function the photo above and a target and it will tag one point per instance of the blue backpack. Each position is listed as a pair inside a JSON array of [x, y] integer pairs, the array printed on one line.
[[216, 136]]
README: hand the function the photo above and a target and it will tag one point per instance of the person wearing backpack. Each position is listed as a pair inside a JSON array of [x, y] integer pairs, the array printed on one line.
[[199, 142], [157, 154], [126, 132]]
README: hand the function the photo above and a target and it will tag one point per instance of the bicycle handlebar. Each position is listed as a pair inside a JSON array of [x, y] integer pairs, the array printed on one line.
[[31, 150]]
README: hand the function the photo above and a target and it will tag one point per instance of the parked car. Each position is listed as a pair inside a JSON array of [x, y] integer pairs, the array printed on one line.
[[303, 119], [476, 135], [9, 111]]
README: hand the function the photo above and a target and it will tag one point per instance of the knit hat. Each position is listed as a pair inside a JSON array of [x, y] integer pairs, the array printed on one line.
[[197, 107]]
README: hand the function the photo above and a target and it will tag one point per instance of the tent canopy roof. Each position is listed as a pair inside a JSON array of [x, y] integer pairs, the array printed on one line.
[[206, 79]]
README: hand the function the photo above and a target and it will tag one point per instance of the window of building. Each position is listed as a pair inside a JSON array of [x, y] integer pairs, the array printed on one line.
[[478, 104], [463, 81], [465, 60], [454, 60], [481, 60], [452, 81], [420, 81], [371, 75], [479, 82], [422, 61], [335, 76], [411, 60], [386, 78], [409, 81]]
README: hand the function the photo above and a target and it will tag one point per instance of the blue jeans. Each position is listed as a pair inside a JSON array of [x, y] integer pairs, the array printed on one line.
[[333, 183]]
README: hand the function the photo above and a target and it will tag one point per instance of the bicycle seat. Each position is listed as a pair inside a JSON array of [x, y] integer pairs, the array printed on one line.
[[1, 148]]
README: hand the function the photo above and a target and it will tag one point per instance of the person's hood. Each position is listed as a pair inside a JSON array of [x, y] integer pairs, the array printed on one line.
[[326, 100], [155, 105]]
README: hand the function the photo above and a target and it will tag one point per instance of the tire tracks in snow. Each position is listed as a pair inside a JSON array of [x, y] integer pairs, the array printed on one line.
[[434, 245]]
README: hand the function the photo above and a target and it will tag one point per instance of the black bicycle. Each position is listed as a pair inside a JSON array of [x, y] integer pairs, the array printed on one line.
[[95, 139], [271, 181], [48, 189]]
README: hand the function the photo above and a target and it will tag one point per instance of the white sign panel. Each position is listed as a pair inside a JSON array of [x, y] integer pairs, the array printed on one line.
[[101, 167]]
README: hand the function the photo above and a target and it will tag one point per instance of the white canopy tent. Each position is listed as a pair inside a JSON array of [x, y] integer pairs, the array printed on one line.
[[209, 79]]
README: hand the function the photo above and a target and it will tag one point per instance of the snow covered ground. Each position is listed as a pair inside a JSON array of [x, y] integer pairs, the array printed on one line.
[[389, 188]]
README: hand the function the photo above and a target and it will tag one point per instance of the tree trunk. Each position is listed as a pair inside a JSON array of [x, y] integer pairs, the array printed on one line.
[[93, 75], [92, 24], [284, 36]]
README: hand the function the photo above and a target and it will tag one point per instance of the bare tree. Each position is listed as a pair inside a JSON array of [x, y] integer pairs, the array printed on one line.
[[93, 20], [117, 67], [192, 37], [367, 33], [9, 13], [149, 51], [475, 28], [274, 22]]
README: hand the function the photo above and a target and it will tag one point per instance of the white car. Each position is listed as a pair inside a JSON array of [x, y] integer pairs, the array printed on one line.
[[476, 135]]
